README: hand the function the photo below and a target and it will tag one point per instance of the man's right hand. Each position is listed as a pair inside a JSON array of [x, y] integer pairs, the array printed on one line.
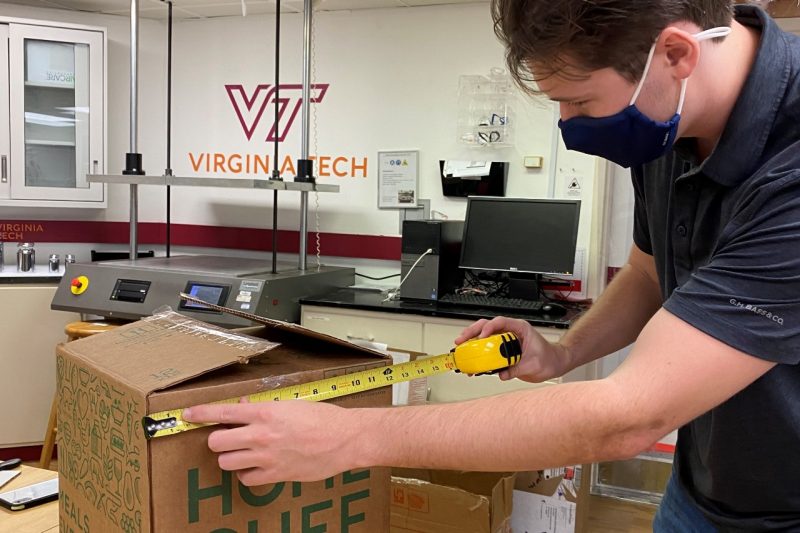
[[541, 360]]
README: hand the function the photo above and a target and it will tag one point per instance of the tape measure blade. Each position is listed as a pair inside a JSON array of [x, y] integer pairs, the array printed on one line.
[[322, 390], [361, 381]]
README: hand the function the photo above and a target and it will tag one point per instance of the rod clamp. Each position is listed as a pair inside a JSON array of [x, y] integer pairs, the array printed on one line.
[[133, 165], [305, 171]]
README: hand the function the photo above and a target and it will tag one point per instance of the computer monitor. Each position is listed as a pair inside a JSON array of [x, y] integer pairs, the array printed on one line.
[[525, 237]]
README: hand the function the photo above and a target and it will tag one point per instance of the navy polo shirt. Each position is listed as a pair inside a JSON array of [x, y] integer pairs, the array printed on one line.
[[725, 236]]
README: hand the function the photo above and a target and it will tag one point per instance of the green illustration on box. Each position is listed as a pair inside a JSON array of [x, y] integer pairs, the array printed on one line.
[[97, 429]]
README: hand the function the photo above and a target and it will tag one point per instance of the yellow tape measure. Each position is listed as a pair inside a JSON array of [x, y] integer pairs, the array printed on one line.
[[479, 356]]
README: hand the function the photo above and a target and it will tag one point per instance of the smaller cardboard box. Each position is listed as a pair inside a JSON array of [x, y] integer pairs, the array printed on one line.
[[548, 501], [442, 501], [112, 479]]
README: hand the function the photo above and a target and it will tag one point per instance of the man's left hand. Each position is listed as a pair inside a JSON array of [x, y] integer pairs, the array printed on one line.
[[281, 441]]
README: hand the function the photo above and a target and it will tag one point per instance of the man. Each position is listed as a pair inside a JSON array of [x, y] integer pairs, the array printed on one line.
[[710, 294]]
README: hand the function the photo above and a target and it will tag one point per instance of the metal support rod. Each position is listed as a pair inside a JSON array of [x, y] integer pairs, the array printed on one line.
[[134, 226], [134, 189], [276, 164], [276, 173], [305, 133], [134, 73], [303, 231], [168, 170], [275, 231]]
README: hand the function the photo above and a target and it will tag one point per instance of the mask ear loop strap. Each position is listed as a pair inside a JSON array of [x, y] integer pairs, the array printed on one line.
[[644, 74], [711, 33]]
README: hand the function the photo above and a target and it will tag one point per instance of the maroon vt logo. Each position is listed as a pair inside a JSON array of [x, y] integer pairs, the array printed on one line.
[[251, 108]]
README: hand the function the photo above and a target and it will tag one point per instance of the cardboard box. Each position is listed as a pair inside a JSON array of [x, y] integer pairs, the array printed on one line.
[[441, 501], [549, 501], [113, 479]]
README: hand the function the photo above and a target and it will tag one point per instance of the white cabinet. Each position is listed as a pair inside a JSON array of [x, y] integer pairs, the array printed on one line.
[[384, 328], [52, 96], [429, 335], [30, 331]]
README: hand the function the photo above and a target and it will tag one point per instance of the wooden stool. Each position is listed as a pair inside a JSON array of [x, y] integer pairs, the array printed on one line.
[[74, 331]]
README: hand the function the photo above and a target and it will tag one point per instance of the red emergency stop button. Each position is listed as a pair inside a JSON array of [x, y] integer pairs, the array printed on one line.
[[79, 285]]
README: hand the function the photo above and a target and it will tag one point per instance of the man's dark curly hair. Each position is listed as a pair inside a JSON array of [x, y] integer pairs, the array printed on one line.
[[567, 36]]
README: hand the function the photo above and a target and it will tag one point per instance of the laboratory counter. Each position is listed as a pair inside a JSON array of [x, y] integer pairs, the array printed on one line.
[[373, 300], [40, 275]]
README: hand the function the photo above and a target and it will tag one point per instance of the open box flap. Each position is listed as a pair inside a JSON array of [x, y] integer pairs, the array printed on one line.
[[294, 329], [165, 349]]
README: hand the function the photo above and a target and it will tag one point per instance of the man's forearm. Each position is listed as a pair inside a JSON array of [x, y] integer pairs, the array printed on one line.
[[570, 424], [616, 319]]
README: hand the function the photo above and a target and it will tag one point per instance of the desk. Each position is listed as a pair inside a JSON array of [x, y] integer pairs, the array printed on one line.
[[40, 519]]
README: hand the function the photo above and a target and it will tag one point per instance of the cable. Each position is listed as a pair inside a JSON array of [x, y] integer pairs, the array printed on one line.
[[276, 174], [489, 283], [561, 296], [392, 294], [378, 279]]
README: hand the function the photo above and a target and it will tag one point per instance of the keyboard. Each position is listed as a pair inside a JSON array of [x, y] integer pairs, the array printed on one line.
[[494, 302]]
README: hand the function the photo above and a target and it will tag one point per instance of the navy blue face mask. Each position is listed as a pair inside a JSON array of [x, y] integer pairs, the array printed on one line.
[[630, 137]]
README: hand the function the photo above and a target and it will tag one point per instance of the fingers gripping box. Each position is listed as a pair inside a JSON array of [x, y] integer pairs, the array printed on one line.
[[113, 479]]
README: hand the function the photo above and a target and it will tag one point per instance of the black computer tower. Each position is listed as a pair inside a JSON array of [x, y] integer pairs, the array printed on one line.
[[437, 273]]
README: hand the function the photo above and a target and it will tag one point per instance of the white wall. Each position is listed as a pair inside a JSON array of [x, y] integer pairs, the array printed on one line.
[[393, 76], [394, 79]]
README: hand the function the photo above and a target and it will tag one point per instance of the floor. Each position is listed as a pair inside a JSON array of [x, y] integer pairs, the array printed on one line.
[[607, 515]]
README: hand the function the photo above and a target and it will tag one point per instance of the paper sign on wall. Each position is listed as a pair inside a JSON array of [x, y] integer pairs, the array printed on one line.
[[573, 189], [398, 179]]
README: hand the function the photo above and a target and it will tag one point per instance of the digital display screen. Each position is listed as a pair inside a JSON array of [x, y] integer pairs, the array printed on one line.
[[214, 294]]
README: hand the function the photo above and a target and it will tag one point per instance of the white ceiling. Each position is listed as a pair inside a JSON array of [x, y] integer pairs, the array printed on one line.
[[191, 9]]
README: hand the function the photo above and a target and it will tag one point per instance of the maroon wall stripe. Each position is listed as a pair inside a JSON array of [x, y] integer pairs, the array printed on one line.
[[611, 272], [153, 233], [26, 453]]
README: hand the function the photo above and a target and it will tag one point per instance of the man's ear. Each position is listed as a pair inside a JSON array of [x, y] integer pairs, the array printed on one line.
[[680, 50]]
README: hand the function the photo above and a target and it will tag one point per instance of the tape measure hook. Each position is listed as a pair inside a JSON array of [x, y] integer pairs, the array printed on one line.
[[153, 426]]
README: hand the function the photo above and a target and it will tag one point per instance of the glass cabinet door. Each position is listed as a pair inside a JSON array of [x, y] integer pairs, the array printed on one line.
[[5, 142], [56, 113]]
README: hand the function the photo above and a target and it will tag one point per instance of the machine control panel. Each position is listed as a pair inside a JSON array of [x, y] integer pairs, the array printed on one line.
[[214, 293], [130, 290]]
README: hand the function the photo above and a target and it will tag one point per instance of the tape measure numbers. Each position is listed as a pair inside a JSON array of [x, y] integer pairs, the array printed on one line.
[[480, 356]]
